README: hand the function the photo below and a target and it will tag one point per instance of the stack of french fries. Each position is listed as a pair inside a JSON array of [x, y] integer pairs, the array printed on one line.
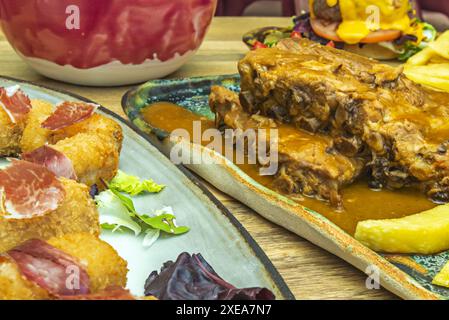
[[430, 67]]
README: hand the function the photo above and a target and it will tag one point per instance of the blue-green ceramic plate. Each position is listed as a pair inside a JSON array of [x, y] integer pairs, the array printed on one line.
[[409, 276]]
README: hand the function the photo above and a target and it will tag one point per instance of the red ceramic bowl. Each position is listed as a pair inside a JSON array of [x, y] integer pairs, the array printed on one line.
[[106, 42]]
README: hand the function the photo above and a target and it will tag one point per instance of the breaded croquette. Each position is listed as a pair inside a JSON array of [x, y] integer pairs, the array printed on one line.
[[96, 125], [92, 145], [76, 213], [10, 135], [14, 109], [34, 136], [104, 267], [13, 286], [103, 264], [94, 157]]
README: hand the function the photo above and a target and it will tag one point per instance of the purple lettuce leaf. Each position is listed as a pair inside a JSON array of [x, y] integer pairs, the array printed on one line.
[[192, 278], [302, 23], [94, 191]]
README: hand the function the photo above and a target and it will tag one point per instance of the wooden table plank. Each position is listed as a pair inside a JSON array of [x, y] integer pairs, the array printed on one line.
[[310, 272]]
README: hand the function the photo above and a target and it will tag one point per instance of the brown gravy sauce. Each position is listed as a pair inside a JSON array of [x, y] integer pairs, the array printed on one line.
[[360, 202]]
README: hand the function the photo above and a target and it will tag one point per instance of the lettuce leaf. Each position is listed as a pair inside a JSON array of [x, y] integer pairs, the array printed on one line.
[[151, 236], [118, 213], [191, 277], [114, 214], [411, 48], [133, 186], [430, 33], [274, 37], [126, 201], [165, 222], [163, 219]]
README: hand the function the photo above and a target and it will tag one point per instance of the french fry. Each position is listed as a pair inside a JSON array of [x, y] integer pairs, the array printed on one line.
[[442, 278], [437, 59], [441, 45], [440, 70], [424, 233], [441, 84], [430, 67], [422, 57]]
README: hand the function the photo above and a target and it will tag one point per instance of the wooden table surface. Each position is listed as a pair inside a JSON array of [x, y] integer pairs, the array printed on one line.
[[310, 272]]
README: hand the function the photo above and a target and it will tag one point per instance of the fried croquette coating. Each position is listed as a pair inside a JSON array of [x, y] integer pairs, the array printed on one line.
[[95, 125], [102, 263], [28, 135], [94, 157], [10, 135], [14, 286], [34, 136], [93, 145], [77, 213]]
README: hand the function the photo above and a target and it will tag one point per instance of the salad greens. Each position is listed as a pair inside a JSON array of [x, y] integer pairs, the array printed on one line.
[[165, 222], [132, 185], [410, 48], [151, 236], [413, 41], [191, 277], [114, 214], [118, 213], [274, 37]]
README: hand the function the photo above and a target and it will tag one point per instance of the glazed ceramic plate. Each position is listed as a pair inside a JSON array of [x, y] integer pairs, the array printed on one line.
[[408, 276], [214, 233]]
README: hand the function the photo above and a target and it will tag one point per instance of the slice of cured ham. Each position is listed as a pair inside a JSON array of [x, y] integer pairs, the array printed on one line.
[[28, 190], [50, 268], [69, 113], [53, 160], [15, 103]]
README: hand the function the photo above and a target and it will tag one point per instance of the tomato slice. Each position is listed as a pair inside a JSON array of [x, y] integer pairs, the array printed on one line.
[[258, 45], [329, 31], [295, 35]]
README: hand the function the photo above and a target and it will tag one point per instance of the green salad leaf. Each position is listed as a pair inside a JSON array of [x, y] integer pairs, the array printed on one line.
[[165, 222], [430, 33], [274, 37], [126, 201], [118, 213], [133, 186], [151, 236], [114, 214], [410, 48]]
